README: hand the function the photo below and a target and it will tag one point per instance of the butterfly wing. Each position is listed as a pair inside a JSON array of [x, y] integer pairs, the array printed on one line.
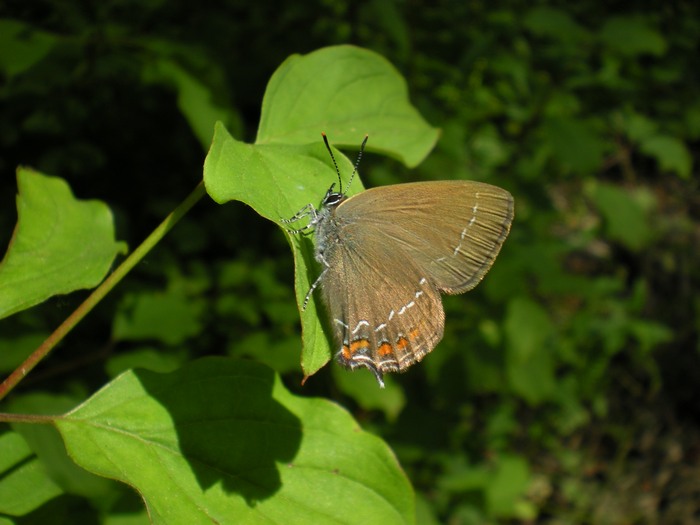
[[452, 230], [386, 314]]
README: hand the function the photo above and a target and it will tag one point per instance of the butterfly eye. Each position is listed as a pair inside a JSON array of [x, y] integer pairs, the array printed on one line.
[[333, 198]]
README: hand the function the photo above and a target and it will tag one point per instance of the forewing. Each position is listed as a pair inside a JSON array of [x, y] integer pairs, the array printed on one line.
[[451, 230]]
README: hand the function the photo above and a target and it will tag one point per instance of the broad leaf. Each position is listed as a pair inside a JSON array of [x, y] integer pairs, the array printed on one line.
[[346, 92], [222, 441], [61, 244]]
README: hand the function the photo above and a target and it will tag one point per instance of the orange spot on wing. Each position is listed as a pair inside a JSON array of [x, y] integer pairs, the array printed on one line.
[[385, 349], [358, 345], [402, 343], [414, 334]]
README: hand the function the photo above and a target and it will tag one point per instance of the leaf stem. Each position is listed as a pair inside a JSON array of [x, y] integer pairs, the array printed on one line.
[[101, 291]]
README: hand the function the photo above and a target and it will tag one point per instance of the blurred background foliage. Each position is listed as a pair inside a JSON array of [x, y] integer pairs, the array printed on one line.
[[565, 390]]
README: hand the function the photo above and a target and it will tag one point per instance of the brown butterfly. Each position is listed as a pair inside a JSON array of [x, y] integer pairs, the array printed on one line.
[[389, 252]]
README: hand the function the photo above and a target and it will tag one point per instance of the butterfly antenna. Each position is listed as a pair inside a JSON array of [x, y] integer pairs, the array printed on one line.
[[357, 162], [328, 147]]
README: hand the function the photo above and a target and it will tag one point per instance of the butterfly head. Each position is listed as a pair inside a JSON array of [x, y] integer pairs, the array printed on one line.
[[332, 198]]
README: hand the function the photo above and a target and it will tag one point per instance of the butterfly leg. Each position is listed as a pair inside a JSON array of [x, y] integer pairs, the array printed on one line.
[[304, 212], [311, 290], [300, 230]]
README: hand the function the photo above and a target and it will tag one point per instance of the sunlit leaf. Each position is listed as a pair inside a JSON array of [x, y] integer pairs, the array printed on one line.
[[223, 441], [346, 92], [61, 244]]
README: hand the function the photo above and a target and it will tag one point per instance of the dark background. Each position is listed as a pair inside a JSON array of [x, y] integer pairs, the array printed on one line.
[[567, 381]]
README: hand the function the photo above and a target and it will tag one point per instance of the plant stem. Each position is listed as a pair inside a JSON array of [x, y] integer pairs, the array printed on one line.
[[96, 296]]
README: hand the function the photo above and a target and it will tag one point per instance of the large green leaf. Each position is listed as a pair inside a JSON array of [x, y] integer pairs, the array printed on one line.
[[345, 91], [61, 244], [222, 441]]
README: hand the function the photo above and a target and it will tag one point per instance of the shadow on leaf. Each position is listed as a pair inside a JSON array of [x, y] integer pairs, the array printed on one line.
[[229, 428]]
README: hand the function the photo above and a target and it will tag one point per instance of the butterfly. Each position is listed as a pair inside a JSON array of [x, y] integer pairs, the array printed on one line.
[[388, 253]]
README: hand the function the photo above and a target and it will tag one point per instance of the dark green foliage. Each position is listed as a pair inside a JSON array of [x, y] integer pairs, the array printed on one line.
[[565, 388]]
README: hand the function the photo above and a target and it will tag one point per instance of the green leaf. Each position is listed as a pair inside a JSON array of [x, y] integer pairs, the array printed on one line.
[[170, 317], [222, 441], [638, 127], [282, 355], [22, 46], [46, 443], [529, 362], [194, 99], [554, 23], [24, 484], [61, 244], [575, 144], [144, 357], [626, 216], [671, 153], [632, 36], [14, 350], [277, 181], [506, 489], [361, 385], [346, 92]]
